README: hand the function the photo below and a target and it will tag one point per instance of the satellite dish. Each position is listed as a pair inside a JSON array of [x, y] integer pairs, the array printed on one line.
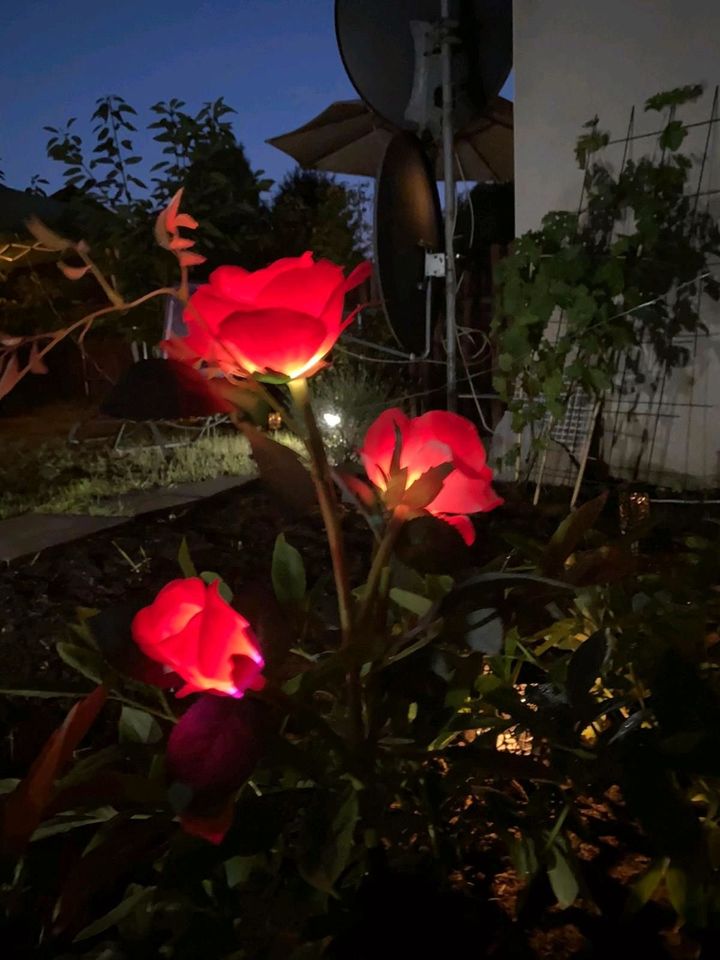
[[408, 224], [383, 47]]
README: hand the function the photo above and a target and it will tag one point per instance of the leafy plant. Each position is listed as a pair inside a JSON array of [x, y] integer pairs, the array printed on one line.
[[394, 733], [580, 295]]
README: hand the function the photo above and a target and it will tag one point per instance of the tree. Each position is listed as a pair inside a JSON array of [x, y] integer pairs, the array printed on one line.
[[112, 208], [314, 211]]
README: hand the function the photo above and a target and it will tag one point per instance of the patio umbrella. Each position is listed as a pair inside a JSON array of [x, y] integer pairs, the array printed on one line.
[[349, 138]]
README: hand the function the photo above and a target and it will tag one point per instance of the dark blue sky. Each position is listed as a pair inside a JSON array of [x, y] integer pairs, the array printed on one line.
[[274, 61]]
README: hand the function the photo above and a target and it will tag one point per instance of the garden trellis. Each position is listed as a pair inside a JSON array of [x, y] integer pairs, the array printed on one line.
[[654, 423]]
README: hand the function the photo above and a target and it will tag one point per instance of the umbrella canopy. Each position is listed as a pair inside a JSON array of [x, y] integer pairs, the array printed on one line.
[[349, 138]]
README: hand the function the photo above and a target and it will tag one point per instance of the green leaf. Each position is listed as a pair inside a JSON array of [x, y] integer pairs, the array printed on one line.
[[136, 726], [239, 869], [675, 97], [288, 572], [411, 601], [643, 888], [118, 913], [562, 877], [327, 839], [523, 855], [185, 560], [505, 362], [585, 666], [87, 662], [673, 135], [570, 532], [209, 576]]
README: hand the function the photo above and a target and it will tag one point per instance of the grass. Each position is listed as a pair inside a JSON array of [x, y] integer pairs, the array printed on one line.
[[56, 478]]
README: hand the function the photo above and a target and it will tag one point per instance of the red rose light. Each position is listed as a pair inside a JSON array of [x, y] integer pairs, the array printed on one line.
[[193, 631], [434, 439], [283, 319]]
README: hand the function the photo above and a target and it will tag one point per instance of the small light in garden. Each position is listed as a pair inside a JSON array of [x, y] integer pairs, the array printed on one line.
[[332, 420], [274, 421]]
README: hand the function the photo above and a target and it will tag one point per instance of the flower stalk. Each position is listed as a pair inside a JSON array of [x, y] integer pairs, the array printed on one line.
[[322, 477]]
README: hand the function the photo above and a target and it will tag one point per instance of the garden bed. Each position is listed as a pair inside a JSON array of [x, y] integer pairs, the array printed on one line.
[[485, 904]]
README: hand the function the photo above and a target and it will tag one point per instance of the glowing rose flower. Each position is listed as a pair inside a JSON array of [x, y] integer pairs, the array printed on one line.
[[433, 440], [193, 631], [283, 319]]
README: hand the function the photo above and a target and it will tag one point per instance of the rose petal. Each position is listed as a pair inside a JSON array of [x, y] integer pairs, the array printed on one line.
[[359, 275], [464, 527], [191, 629], [171, 611], [242, 286], [225, 634], [466, 494], [459, 433], [282, 341], [307, 291], [202, 317]]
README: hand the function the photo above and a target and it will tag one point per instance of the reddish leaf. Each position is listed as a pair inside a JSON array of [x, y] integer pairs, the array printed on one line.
[[422, 493], [106, 867], [181, 243], [162, 237], [170, 214], [185, 220], [191, 259], [9, 376], [72, 273], [48, 238], [36, 362], [357, 488], [23, 809]]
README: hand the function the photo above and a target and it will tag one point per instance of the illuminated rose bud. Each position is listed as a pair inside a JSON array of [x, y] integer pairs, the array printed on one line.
[[399, 451], [195, 633]]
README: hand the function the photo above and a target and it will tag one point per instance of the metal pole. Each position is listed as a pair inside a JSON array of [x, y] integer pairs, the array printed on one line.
[[450, 204]]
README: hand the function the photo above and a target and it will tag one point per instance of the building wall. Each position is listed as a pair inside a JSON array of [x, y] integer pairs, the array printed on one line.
[[575, 59]]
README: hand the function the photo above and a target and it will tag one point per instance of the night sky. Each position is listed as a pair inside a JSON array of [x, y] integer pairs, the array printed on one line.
[[274, 61]]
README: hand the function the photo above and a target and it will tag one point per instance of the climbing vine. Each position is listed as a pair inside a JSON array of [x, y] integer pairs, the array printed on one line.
[[579, 296]]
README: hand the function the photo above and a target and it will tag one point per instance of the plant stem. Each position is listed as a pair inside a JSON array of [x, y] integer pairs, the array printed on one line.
[[322, 478], [113, 296], [54, 337], [381, 559]]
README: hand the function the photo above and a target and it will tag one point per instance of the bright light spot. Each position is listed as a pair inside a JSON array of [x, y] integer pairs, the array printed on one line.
[[332, 420]]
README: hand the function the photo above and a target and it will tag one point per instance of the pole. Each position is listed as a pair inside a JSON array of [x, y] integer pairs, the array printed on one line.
[[450, 206]]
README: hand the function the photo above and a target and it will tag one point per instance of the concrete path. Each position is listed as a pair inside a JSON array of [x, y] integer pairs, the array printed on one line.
[[30, 533]]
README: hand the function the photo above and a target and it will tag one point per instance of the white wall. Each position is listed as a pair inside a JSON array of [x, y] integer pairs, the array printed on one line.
[[578, 58]]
